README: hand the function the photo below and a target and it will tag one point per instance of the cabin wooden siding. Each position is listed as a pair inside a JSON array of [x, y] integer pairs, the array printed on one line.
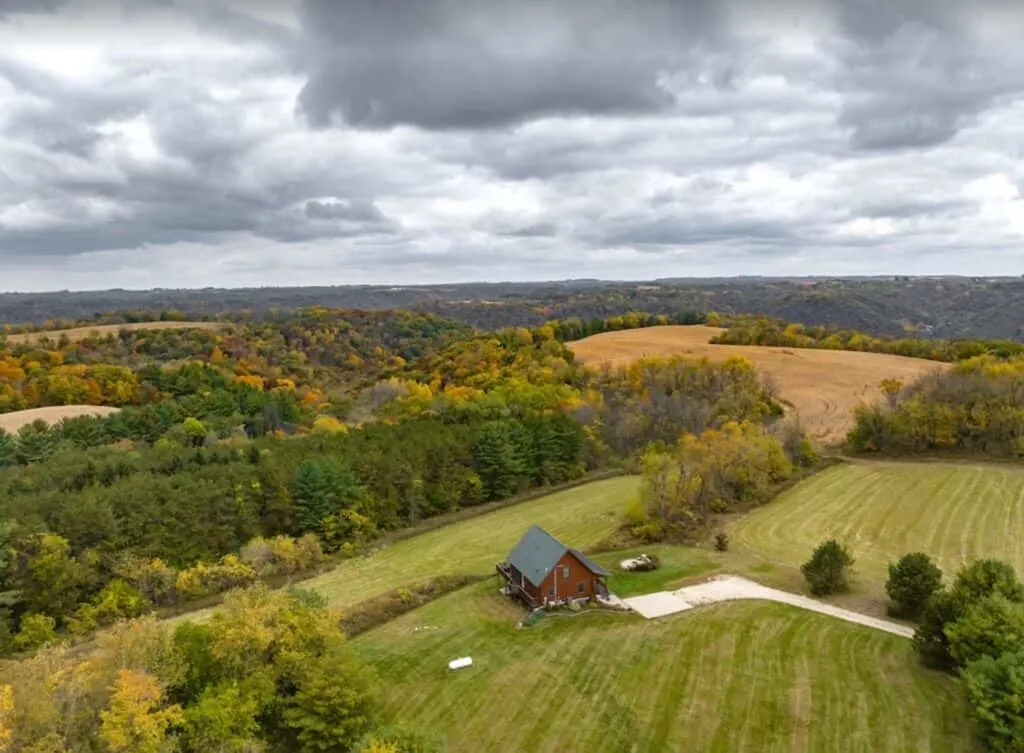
[[557, 587]]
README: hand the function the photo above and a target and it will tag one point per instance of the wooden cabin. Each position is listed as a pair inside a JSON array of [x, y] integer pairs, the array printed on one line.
[[542, 570]]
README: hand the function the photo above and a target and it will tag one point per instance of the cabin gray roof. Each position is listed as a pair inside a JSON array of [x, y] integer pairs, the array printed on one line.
[[538, 552]]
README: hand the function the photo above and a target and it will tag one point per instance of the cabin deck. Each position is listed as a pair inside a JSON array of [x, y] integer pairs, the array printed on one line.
[[512, 588]]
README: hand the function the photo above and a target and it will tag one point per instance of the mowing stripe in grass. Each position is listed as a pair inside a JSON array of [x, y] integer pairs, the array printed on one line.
[[744, 676], [884, 510]]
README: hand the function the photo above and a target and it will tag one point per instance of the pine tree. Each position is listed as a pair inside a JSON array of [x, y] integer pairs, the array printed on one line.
[[501, 451], [311, 491], [8, 450]]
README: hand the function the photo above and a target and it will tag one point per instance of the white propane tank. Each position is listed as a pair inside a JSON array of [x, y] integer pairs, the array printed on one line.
[[465, 661]]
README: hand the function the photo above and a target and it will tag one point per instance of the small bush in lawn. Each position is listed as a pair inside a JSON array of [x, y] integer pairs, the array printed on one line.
[[722, 542], [828, 568], [912, 582]]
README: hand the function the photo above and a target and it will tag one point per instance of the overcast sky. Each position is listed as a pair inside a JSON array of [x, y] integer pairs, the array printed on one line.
[[184, 143]]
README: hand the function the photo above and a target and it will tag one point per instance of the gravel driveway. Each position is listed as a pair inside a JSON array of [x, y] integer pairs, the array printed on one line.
[[732, 588]]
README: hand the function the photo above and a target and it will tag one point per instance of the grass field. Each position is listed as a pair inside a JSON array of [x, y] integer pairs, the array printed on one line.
[[12, 422], [823, 386], [80, 333], [677, 566], [954, 512], [745, 676], [578, 517]]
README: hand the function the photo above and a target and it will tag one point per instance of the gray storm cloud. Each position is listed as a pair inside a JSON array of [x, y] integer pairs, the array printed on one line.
[[468, 138]]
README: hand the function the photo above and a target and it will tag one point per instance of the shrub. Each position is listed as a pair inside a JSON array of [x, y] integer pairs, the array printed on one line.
[[117, 601], [154, 578], [828, 568], [399, 740], [37, 630], [648, 532], [369, 614], [282, 554], [259, 556], [913, 579], [722, 541], [203, 579]]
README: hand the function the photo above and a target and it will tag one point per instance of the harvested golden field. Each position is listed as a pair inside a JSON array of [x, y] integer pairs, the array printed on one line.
[[12, 422], [80, 333], [822, 386]]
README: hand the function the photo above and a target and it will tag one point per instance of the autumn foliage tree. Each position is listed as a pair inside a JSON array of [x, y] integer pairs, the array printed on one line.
[[714, 472], [137, 719], [267, 672], [978, 406]]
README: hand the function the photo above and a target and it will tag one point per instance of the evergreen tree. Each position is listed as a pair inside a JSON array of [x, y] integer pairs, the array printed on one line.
[[36, 442], [311, 491], [8, 450], [501, 458], [323, 488]]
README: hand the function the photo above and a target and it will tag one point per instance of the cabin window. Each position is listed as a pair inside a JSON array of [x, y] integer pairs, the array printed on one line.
[[565, 572], [580, 588], [551, 591]]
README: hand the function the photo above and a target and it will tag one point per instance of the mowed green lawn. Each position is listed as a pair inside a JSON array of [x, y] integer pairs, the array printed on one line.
[[579, 517], [745, 676], [882, 510]]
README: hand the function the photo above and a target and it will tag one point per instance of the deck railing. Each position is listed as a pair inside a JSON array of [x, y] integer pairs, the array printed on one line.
[[514, 589]]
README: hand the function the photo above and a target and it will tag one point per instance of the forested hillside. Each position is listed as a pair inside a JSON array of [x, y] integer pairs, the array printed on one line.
[[259, 449], [954, 307]]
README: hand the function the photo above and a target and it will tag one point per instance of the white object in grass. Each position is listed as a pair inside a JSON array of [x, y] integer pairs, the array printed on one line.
[[635, 563], [465, 661]]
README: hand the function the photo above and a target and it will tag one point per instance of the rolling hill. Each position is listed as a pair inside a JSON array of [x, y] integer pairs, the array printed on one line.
[[822, 386]]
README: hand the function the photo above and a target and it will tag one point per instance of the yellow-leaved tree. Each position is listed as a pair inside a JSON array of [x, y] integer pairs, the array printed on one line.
[[136, 721]]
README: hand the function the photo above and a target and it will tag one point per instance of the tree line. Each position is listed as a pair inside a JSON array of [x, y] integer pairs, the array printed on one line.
[[973, 628], [165, 525], [978, 406], [759, 330]]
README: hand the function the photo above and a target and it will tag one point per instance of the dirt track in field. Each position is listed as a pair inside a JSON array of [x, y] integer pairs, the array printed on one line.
[[822, 386], [80, 333], [12, 422]]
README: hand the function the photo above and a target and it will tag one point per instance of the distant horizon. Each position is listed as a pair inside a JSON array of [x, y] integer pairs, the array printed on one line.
[[562, 281]]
